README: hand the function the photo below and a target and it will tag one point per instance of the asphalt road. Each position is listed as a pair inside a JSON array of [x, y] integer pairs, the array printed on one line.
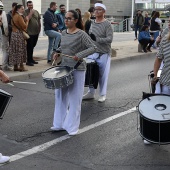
[[115, 145]]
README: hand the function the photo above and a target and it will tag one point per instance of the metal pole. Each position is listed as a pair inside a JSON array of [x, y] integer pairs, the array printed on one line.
[[133, 1], [153, 1], [67, 5], [23, 2]]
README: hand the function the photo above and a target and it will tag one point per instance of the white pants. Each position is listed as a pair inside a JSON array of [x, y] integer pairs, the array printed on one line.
[[5, 45], [163, 90], [68, 104], [103, 62]]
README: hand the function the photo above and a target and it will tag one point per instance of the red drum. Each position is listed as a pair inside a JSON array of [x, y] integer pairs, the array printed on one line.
[[5, 99], [92, 74], [154, 119]]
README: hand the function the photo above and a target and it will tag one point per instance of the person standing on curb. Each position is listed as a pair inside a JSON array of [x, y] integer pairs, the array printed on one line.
[[138, 22], [61, 17], [102, 35], [33, 30], [51, 29], [4, 38], [9, 18]]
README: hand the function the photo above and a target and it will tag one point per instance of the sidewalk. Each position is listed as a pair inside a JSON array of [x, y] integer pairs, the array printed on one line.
[[123, 43]]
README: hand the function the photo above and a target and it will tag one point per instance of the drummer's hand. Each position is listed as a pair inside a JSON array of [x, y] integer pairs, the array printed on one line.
[[75, 58], [154, 80], [4, 77], [55, 56]]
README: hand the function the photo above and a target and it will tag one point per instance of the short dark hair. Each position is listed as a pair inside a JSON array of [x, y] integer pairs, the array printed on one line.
[[62, 5], [144, 27], [91, 9], [14, 4], [29, 2], [52, 4]]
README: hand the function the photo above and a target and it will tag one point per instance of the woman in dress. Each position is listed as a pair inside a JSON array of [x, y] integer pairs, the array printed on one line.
[[74, 42], [17, 48]]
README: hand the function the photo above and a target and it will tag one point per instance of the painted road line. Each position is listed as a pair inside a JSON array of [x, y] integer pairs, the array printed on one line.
[[47, 145]]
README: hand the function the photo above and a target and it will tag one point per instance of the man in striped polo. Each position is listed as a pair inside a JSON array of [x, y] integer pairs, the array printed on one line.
[[102, 34]]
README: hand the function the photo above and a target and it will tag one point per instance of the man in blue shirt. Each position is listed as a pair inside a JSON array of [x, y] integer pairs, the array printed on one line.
[[61, 17], [147, 20]]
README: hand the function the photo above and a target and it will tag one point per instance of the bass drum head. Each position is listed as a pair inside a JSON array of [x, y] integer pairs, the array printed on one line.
[[56, 72], [154, 118]]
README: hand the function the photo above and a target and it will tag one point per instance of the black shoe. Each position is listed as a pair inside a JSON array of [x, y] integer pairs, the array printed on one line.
[[34, 62], [29, 64], [49, 61]]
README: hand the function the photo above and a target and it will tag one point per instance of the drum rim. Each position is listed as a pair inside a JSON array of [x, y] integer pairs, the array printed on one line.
[[152, 119], [70, 72]]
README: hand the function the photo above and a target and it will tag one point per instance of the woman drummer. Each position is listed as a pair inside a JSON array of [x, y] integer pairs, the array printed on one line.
[[76, 43], [163, 86]]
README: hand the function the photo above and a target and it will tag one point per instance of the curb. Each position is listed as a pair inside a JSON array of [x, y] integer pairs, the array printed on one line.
[[38, 74]]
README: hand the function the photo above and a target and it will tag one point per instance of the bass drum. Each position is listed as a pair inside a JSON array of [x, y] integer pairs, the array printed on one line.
[[154, 119], [58, 77]]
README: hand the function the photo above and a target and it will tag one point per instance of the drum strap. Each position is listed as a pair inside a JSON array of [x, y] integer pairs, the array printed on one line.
[[77, 64]]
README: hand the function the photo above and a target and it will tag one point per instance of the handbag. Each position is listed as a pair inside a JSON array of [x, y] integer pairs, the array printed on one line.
[[25, 35]]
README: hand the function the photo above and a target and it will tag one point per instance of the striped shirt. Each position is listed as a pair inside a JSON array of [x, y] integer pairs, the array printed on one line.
[[78, 44], [164, 54], [104, 36]]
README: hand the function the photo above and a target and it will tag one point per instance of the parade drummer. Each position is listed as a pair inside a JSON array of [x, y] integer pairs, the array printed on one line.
[[163, 85], [102, 35], [5, 79], [74, 42]]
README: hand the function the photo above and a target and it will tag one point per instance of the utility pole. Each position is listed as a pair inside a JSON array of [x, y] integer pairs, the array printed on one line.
[[24, 3], [67, 6], [153, 1], [133, 2]]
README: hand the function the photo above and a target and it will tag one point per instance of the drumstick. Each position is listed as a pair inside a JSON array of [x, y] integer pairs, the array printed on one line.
[[65, 55], [10, 84], [53, 62], [23, 82]]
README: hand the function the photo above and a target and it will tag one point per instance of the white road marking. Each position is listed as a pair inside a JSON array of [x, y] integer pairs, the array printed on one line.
[[47, 145]]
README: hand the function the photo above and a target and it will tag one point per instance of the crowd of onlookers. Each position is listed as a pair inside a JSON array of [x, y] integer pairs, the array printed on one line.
[[149, 29], [18, 49]]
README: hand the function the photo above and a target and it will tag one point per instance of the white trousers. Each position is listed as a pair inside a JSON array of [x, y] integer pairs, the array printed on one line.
[[5, 45], [68, 104], [103, 62], [163, 90]]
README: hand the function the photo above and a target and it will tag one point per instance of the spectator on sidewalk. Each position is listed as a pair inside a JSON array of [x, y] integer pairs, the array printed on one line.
[[61, 17], [102, 35], [17, 48], [33, 30], [138, 22], [155, 25], [9, 18], [147, 20], [51, 29], [91, 10], [86, 22], [145, 39], [4, 38]]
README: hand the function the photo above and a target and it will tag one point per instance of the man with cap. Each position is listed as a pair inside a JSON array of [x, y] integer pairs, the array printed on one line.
[[102, 34], [4, 37]]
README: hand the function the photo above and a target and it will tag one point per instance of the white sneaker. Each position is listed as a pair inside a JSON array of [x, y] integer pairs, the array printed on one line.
[[4, 159], [102, 98], [146, 142], [88, 95], [56, 129], [74, 133]]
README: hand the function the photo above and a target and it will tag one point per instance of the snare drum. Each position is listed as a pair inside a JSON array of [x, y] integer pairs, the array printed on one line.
[[5, 99], [154, 119], [58, 77], [92, 74]]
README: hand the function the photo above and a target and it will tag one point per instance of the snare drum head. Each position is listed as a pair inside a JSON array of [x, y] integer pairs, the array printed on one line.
[[155, 108], [57, 72]]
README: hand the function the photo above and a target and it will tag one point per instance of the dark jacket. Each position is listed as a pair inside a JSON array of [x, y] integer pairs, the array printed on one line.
[[9, 18], [154, 25], [141, 20], [60, 18], [49, 19]]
